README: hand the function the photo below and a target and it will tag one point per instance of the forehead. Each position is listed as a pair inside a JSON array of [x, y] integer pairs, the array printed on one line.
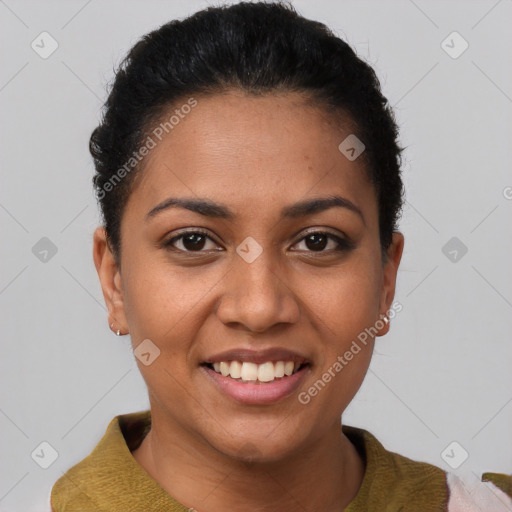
[[251, 152]]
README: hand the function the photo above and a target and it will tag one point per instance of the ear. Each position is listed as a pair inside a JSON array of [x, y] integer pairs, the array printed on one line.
[[111, 282], [390, 269]]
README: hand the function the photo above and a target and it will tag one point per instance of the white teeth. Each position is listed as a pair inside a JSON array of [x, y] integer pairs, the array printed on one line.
[[235, 370], [279, 369], [265, 372], [224, 368], [249, 371]]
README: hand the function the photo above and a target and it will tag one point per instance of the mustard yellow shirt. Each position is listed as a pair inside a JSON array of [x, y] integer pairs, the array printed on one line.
[[110, 479]]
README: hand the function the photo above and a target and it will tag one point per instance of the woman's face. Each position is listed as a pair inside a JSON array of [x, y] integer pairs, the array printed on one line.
[[253, 286]]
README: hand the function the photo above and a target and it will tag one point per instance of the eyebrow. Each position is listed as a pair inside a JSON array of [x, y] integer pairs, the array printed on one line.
[[209, 208]]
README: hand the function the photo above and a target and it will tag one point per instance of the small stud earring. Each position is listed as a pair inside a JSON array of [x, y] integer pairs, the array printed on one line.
[[118, 332], [386, 320]]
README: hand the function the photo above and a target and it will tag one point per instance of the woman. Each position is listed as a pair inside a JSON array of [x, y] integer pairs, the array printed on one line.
[[248, 172]]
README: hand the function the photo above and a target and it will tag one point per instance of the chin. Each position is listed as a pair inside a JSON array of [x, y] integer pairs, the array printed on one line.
[[261, 444]]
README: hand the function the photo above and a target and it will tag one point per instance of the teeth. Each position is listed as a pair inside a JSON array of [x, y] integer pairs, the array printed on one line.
[[265, 372], [249, 371], [224, 368], [235, 369], [279, 369]]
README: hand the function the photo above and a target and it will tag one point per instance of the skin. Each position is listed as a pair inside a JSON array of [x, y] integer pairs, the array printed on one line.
[[256, 155]]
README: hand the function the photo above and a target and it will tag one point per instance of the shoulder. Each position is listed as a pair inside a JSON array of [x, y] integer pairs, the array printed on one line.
[[404, 484], [107, 469], [470, 494], [396, 480]]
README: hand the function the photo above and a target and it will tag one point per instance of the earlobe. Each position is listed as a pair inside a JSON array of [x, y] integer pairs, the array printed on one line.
[[110, 280], [394, 256], [382, 325]]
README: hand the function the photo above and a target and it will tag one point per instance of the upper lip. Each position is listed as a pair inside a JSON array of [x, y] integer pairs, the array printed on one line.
[[257, 356]]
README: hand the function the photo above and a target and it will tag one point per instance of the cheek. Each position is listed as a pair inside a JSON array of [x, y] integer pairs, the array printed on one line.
[[347, 299], [346, 313], [165, 305], [345, 307], [159, 297]]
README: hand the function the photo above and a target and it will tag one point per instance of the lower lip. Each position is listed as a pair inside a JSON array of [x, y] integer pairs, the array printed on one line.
[[257, 393]]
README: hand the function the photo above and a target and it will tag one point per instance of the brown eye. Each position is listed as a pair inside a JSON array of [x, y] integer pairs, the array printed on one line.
[[190, 241], [194, 241], [318, 241]]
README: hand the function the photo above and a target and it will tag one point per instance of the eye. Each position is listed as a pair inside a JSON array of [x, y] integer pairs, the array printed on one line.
[[317, 241], [190, 241]]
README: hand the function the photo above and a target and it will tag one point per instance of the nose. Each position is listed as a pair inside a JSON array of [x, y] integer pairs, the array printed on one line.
[[257, 296]]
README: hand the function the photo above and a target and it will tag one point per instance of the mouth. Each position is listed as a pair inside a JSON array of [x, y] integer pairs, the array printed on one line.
[[252, 373], [250, 383]]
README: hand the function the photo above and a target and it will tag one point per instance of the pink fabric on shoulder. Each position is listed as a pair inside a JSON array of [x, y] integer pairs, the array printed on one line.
[[469, 494]]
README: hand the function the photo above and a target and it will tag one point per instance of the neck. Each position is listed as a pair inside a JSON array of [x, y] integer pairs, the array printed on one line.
[[326, 475]]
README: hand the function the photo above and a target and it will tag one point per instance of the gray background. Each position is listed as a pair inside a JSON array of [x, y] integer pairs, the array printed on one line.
[[441, 375]]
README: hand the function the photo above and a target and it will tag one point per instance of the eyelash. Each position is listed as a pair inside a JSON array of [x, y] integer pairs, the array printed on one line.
[[343, 244]]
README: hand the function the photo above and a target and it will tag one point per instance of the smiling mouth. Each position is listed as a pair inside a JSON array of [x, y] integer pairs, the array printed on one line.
[[256, 373]]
